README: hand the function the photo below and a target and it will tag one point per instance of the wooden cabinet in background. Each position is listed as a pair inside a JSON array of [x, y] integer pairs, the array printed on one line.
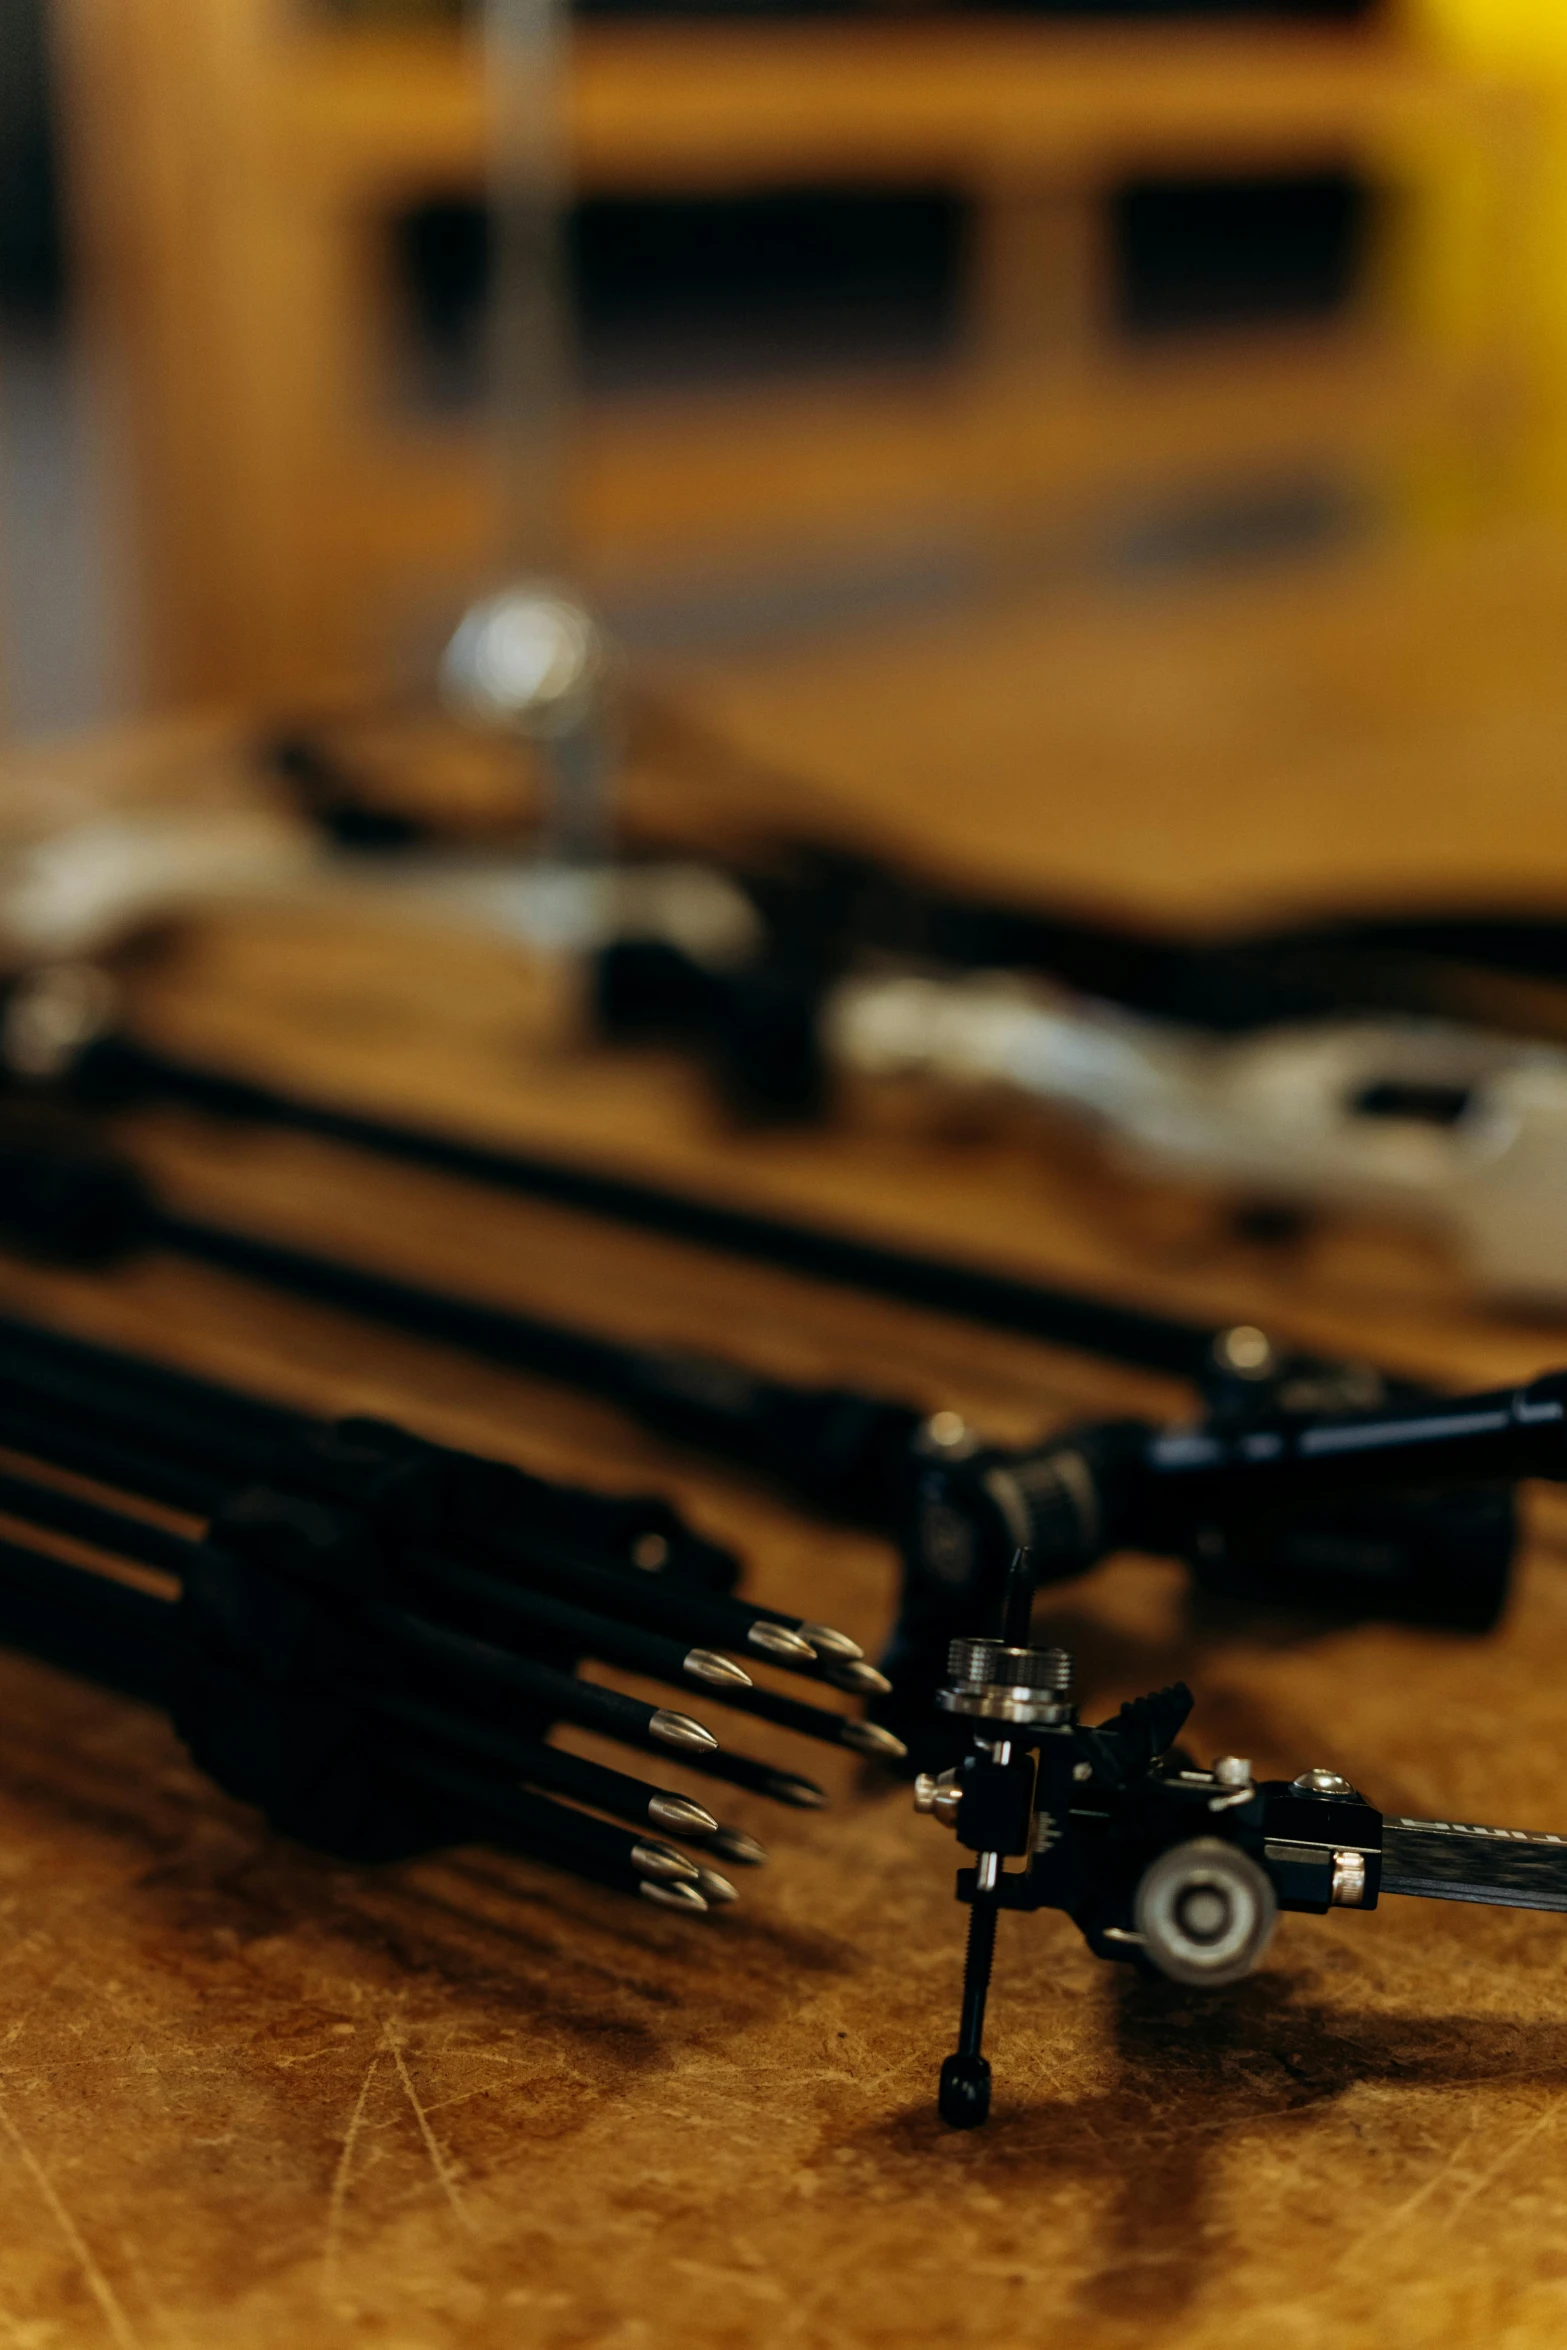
[[236, 163]]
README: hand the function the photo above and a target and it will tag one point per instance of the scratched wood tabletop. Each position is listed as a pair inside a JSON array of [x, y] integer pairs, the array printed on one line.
[[253, 2096]]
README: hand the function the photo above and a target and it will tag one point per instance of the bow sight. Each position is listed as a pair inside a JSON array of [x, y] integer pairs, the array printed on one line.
[[1179, 1870], [1313, 1487]]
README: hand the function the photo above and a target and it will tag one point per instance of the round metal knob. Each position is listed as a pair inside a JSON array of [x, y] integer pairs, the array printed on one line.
[[1245, 1352], [990, 1680], [1205, 1911], [532, 663], [529, 660], [946, 1436], [983, 1664], [938, 1797]]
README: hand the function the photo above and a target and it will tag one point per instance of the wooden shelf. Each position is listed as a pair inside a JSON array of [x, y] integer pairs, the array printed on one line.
[[972, 102]]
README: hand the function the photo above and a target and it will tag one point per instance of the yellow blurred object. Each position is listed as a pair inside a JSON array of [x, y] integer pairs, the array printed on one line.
[[1527, 33], [1473, 281]]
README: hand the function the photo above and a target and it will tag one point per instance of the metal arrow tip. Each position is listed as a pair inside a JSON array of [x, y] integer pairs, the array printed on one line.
[[672, 1729], [863, 1679], [714, 1888], [871, 1738], [804, 1794], [777, 1640], [827, 1642], [680, 1816], [735, 1845], [721, 1671], [662, 1861], [684, 1897]]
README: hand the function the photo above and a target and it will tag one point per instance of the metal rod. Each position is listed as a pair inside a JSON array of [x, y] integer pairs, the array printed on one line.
[[530, 340], [977, 1963], [813, 1721], [1018, 1608], [124, 1412], [201, 1398], [116, 1531], [106, 1631], [601, 1636], [568, 1839], [786, 1431], [562, 1695], [758, 1778], [125, 1468], [616, 1792], [1441, 1441], [637, 1597], [1062, 1317]]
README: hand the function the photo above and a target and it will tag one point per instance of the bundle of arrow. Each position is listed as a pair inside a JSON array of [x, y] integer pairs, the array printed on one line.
[[371, 1637]]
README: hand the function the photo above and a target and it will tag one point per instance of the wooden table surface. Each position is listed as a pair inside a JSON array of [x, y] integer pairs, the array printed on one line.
[[252, 2096], [1373, 725]]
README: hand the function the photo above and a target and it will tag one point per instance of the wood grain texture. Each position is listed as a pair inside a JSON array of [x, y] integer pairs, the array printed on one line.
[[251, 2096]]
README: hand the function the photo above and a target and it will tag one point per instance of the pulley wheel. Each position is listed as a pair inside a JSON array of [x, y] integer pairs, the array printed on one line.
[[1205, 1912]]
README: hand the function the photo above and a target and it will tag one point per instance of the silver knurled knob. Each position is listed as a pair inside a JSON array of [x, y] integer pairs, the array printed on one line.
[[988, 1664]]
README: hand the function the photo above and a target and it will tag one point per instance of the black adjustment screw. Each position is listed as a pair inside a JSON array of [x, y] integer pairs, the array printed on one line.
[[964, 2096], [1017, 1607]]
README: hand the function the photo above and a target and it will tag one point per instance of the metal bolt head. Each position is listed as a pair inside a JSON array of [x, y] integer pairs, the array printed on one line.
[[1246, 1352], [1232, 1770], [1320, 1781], [946, 1436], [1348, 1887], [938, 1797]]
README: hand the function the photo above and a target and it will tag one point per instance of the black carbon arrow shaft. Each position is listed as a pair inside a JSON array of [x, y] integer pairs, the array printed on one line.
[[119, 1067]]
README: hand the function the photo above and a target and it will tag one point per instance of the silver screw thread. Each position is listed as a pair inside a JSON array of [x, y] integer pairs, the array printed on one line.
[[985, 1664], [972, 1662]]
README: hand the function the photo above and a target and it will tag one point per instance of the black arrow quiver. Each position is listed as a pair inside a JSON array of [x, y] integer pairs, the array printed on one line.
[[371, 1637]]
